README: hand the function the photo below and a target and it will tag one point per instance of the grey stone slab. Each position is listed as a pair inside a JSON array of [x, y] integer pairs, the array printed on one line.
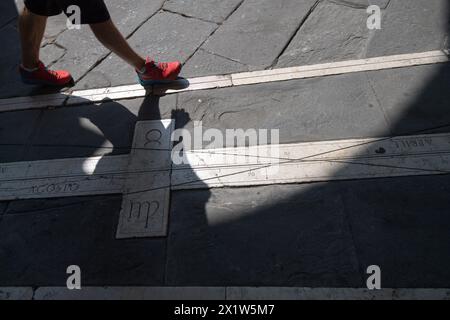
[[16, 129], [274, 236], [332, 33], [411, 26], [56, 25], [211, 10], [205, 64], [40, 245], [51, 53], [402, 226], [258, 31], [303, 110], [165, 37], [414, 99], [105, 128], [83, 49]]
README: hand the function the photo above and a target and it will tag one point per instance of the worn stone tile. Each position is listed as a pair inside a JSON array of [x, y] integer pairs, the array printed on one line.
[[258, 31], [51, 53], [56, 25], [402, 226], [414, 99], [303, 110], [410, 26], [39, 246], [105, 128], [84, 50], [155, 39], [274, 236], [332, 33], [205, 64], [211, 10], [16, 129]]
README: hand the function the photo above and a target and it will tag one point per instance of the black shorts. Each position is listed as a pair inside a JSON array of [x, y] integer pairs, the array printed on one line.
[[92, 11]]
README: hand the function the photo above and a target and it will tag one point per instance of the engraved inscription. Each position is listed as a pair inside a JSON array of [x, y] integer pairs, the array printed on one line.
[[143, 211], [55, 188], [153, 137], [410, 143]]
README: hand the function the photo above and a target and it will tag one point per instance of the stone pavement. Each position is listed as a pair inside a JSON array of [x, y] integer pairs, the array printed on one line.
[[308, 235]]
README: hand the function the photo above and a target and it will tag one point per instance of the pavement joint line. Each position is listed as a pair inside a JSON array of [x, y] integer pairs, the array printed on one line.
[[227, 80], [221, 293]]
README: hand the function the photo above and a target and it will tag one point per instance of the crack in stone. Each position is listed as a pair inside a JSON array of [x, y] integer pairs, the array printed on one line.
[[223, 57], [188, 16], [379, 105], [106, 55], [56, 44], [212, 33], [302, 23]]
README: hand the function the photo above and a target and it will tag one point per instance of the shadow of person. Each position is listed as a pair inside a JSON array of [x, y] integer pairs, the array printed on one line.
[[326, 234], [312, 235], [82, 230]]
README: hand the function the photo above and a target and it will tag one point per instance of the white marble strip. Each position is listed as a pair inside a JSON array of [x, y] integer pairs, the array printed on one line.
[[336, 68], [288, 163], [222, 81], [63, 177], [313, 162], [33, 102]]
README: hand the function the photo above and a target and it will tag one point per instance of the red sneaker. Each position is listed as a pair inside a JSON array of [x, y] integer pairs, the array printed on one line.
[[159, 72], [43, 76]]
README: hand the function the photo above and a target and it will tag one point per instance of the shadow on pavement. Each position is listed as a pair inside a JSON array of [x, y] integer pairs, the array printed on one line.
[[326, 234], [319, 235]]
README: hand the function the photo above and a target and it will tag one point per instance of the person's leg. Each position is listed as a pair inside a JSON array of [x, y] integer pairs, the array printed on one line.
[[32, 22], [96, 15], [31, 29], [111, 38], [148, 71]]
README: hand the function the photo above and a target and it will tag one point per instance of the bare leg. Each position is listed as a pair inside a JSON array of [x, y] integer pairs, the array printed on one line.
[[111, 38], [31, 28]]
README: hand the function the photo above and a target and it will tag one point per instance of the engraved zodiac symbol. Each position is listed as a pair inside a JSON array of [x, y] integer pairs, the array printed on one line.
[[147, 209], [153, 138]]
